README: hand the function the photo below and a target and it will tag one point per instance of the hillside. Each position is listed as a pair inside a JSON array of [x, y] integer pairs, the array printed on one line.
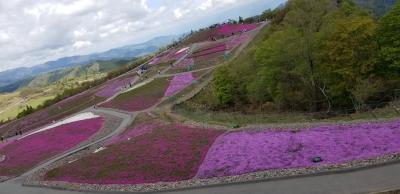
[[307, 96], [9, 77], [35, 91], [274, 75], [44, 79]]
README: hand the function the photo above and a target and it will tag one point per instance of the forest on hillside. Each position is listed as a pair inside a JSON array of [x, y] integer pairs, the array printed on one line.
[[317, 55]]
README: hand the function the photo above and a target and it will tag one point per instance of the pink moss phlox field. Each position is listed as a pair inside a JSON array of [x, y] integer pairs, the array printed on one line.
[[250, 151], [178, 83], [132, 133], [221, 47], [136, 103], [236, 41], [185, 63], [25, 124], [166, 56], [140, 98], [228, 29], [155, 60], [179, 54], [167, 153], [113, 87], [23, 154]]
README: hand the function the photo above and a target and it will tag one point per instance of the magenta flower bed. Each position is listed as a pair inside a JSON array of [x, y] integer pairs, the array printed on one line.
[[178, 83], [228, 29], [113, 87], [141, 98], [155, 61], [185, 63], [132, 133], [167, 153], [166, 56], [236, 41], [179, 54], [244, 152], [26, 153], [216, 49], [24, 124]]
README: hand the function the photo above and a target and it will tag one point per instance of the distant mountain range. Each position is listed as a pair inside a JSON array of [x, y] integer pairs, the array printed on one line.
[[12, 79], [48, 78]]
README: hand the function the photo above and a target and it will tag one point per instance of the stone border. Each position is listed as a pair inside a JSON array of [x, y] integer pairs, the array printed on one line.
[[4, 178]]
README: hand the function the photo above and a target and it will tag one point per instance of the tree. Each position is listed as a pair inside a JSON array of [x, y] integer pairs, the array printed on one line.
[[281, 57], [347, 57], [389, 39], [224, 86], [307, 17], [240, 20], [28, 110]]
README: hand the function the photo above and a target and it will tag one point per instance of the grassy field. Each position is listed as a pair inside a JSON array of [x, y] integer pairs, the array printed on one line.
[[239, 118], [13, 106], [140, 98], [13, 103]]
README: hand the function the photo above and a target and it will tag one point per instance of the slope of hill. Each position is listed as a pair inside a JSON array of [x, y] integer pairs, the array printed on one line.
[[45, 79], [127, 52]]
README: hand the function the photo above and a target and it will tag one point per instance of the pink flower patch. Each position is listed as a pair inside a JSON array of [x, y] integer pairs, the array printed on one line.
[[131, 133], [236, 41], [228, 29], [26, 153], [167, 153], [250, 151], [178, 83], [113, 87], [185, 63]]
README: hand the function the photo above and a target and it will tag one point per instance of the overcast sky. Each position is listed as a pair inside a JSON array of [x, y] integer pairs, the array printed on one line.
[[36, 31]]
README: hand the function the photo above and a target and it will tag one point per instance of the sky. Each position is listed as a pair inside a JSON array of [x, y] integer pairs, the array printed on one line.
[[35, 31]]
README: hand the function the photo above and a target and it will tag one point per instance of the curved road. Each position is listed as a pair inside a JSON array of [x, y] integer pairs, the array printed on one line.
[[361, 181], [14, 186]]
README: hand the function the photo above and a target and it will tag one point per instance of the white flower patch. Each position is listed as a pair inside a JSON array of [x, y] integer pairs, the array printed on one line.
[[78, 117], [182, 50], [72, 161], [99, 150]]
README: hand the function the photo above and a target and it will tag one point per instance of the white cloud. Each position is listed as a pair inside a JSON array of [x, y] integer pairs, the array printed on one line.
[[75, 7], [35, 31], [80, 44], [178, 12], [4, 37]]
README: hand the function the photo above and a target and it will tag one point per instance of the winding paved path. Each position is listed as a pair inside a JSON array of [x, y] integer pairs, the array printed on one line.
[[14, 186], [361, 181]]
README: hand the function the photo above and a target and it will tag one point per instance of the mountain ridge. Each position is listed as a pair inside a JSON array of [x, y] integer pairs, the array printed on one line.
[[12, 76]]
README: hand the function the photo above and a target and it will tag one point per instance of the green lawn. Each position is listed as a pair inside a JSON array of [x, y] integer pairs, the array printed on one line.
[[15, 106]]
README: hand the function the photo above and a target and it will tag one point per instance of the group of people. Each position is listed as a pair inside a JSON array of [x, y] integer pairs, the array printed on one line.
[[4, 139]]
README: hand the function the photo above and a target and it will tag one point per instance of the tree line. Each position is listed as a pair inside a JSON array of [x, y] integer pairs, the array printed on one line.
[[317, 55]]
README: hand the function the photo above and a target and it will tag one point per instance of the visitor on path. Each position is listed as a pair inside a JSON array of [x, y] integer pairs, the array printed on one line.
[[2, 139], [20, 132]]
